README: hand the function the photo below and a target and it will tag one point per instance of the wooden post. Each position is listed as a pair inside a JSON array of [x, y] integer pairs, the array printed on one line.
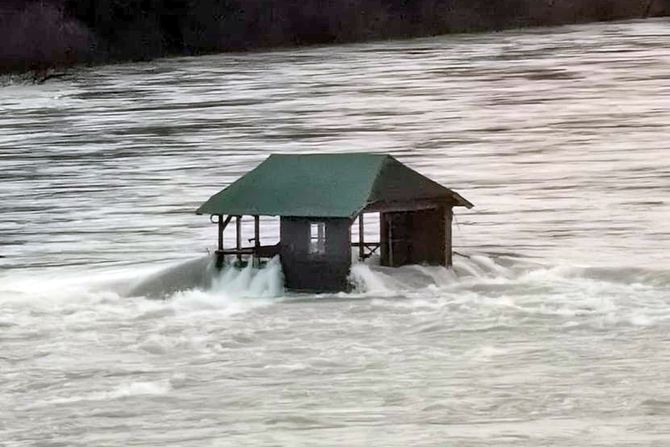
[[361, 238], [221, 228], [448, 218], [257, 240], [219, 255], [222, 224], [391, 242], [384, 239], [238, 229], [257, 231]]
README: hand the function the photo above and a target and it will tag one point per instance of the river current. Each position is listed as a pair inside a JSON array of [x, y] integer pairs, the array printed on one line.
[[553, 329]]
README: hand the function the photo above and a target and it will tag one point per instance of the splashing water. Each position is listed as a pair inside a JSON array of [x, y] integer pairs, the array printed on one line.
[[203, 348]]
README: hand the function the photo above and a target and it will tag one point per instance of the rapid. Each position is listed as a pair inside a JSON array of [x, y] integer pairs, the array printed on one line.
[[553, 328]]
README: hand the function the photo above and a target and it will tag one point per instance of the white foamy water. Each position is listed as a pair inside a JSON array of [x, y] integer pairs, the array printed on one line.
[[552, 329]]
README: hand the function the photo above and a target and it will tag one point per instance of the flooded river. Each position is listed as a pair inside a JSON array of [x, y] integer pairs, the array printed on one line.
[[553, 328]]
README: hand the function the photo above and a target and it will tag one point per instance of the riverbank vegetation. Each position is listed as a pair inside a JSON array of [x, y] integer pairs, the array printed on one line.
[[40, 34]]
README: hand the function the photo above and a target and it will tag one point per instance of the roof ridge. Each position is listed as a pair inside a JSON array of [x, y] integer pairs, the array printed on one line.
[[373, 183]]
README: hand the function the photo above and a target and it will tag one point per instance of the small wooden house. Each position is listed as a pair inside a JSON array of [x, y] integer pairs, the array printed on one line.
[[318, 197]]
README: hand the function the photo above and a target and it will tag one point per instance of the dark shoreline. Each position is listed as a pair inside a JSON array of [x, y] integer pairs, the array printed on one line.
[[39, 37]]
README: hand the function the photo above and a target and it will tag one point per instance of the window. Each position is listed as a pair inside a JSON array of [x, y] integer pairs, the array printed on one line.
[[317, 238]]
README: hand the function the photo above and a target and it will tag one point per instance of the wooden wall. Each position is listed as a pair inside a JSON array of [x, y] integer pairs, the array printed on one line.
[[416, 237], [303, 270]]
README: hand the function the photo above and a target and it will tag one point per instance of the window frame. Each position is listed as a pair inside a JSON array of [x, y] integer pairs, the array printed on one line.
[[317, 238]]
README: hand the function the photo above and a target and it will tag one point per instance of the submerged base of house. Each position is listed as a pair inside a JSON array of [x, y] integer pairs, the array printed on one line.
[[316, 254]]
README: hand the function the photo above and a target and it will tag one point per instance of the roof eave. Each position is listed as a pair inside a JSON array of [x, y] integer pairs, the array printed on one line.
[[465, 203], [462, 201]]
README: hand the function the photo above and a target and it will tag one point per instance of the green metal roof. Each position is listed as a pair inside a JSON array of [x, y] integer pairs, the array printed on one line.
[[325, 185]]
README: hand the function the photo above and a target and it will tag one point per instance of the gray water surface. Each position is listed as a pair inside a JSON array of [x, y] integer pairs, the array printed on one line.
[[553, 329]]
